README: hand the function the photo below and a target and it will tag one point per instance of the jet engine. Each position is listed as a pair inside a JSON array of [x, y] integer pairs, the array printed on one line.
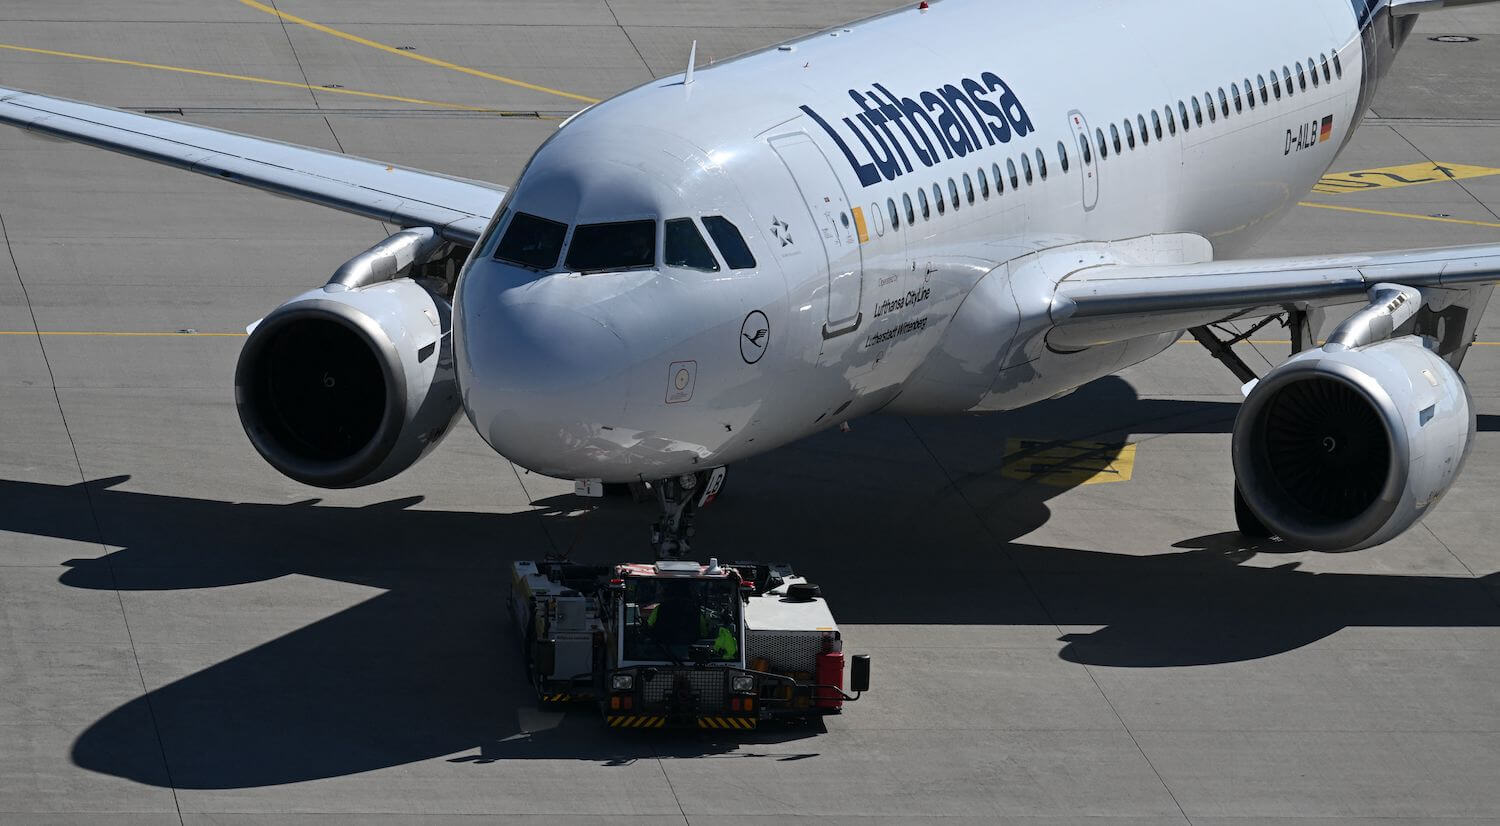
[[1346, 446], [353, 382]]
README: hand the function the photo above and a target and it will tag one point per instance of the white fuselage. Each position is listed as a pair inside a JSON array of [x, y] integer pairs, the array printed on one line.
[[812, 151]]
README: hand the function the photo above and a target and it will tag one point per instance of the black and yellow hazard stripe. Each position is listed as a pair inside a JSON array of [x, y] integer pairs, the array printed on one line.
[[556, 698], [727, 722], [635, 721]]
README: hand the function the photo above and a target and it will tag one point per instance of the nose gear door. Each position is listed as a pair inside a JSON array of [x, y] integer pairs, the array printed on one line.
[[838, 225]]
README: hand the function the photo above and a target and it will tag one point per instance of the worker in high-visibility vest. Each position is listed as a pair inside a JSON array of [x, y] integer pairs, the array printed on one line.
[[679, 612]]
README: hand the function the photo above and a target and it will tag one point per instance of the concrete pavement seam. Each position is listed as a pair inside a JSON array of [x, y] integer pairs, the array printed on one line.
[[300, 68], [93, 517], [1036, 595], [629, 39], [1459, 184]]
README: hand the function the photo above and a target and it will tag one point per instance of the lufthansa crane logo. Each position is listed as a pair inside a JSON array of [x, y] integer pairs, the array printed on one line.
[[755, 335]]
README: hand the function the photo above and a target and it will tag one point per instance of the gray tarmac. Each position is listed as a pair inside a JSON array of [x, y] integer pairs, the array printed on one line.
[[186, 636]]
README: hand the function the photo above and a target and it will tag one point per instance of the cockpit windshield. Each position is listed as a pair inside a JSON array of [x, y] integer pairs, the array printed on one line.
[[731, 244], [532, 242], [627, 245], [684, 247], [665, 619]]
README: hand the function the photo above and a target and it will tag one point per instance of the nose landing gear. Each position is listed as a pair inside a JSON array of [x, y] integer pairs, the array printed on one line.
[[680, 498]]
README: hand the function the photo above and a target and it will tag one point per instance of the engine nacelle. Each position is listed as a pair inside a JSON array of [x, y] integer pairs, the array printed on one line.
[[1342, 449], [344, 387]]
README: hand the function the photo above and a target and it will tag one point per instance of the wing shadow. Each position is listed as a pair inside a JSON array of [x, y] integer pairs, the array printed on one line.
[[429, 667]]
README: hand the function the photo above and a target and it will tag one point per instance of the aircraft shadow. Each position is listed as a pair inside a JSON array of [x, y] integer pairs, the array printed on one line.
[[430, 667]]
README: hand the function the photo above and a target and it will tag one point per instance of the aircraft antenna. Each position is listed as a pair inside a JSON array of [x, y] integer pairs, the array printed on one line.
[[692, 60]]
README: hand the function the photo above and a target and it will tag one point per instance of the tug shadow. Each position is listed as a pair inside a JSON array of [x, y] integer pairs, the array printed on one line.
[[430, 667]]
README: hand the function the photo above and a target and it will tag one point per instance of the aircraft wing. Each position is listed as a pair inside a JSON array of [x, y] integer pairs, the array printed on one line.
[[457, 208], [1107, 303]]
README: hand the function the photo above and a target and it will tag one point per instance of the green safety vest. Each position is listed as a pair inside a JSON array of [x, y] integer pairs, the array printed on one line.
[[725, 645]]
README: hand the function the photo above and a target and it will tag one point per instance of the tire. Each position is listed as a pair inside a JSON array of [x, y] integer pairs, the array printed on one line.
[[1245, 519]]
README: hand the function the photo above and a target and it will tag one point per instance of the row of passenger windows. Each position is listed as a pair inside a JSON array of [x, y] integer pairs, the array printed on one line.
[[1318, 71], [1124, 135], [1026, 171], [535, 242]]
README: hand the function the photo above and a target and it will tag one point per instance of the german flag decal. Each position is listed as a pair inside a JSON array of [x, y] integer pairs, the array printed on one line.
[[1326, 131]]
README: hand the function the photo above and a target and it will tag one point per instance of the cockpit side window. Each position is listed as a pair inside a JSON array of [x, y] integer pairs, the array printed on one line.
[[532, 242], [731, 244], [684, 247], [626, 245]]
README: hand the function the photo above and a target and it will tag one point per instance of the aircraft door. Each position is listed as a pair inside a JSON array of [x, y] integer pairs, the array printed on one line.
[[1088, 160], [840, 227]]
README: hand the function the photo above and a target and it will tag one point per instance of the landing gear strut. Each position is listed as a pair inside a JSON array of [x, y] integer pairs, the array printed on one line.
[[680, 498]]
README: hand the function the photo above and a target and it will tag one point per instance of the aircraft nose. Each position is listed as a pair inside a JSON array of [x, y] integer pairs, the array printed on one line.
[[540, 379]]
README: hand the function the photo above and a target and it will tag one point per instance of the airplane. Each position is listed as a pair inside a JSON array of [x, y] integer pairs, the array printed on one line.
[[957, 206]]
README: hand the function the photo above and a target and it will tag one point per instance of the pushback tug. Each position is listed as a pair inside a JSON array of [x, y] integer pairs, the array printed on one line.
[[676, 643]]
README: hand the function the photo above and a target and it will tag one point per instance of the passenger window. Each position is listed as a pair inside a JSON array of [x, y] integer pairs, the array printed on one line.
[[1249, 93], [1041, 164], [532, 242], [685, 247], [1010, 166], [999, 181], [1114, 134], [622, 245], [1197, 111], [1234, 88], [1223, 102], [953, 194], [1276, 84], [1086, 150], [1103, 147], [1026, 168], [1286, 75], [1129, 134], [984, 185], [890, 207], [1323, 61], [1338, 65], [1312, 69], [926, 207], [1182, 110], [1140, 122], [1171, 120], [1208, 102], [731, 244], [969, 188], [1265, 94], [911, 215], [879, 218], [1155, 124], [937, 195], [1062, 156]]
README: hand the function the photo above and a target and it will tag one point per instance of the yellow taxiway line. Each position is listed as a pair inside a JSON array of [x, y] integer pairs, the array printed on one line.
[[363, 41], [1411, 215], [247, 78]]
